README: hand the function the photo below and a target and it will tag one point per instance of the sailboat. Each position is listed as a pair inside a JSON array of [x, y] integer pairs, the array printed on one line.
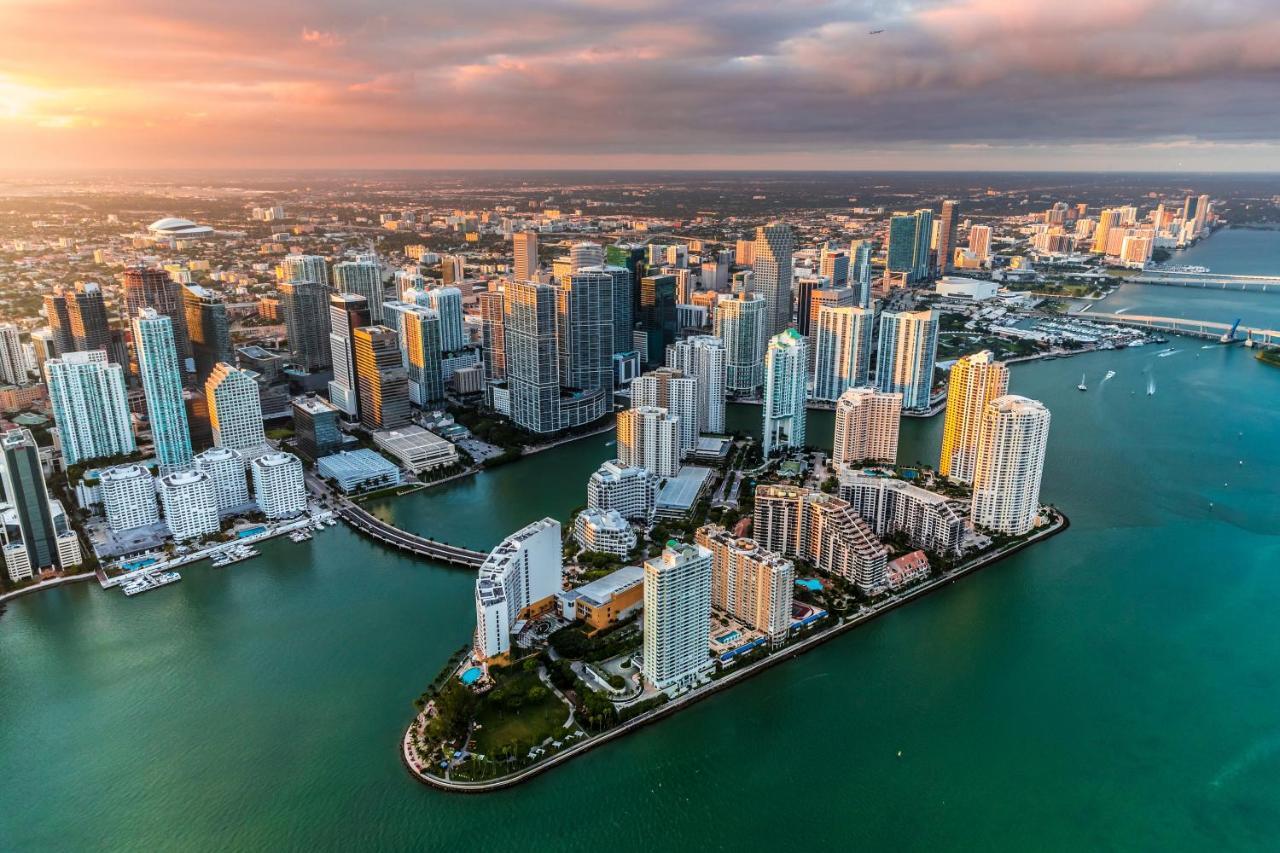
[[1082, 386]]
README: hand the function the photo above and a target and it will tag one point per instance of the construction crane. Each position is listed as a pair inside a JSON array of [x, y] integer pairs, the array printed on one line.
[[1230, 337]]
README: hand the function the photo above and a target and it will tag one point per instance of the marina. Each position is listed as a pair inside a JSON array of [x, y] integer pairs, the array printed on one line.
[[148, 582], [232, 555]]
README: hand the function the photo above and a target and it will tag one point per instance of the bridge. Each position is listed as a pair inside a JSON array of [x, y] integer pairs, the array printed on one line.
[[1183, 326], [375, 527], [1208, 280]]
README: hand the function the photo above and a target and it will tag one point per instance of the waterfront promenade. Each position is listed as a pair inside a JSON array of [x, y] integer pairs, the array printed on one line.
[[414, 765]]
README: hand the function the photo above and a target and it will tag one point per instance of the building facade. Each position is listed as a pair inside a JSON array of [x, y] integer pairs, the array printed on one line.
[[842, 344], [235, 408], [906, 357], [975, 381], [162, 387], [90, 406], [703, 358], [519, 577], [785, 373], [749, 583], [822, 529], [677, 617], [278, 485], [866, 428], [129, 497], [1012, 438], [225, 469], [631, 490], [649, 437]]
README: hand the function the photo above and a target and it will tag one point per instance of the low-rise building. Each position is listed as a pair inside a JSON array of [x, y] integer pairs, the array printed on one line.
[[603, 602], [907, 569], [416, 448], [358, 470], [604, 531]]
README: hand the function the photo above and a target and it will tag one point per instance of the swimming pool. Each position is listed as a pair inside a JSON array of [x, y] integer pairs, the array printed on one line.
[[729, 637], [249, 531], [811, 584], [137, 564], [472, 675]]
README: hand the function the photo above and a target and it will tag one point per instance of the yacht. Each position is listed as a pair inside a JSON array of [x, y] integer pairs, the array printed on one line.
[[148, 582], [1082, 386]]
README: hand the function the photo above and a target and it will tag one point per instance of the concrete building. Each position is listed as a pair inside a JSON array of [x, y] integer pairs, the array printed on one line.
[[519, 578], [1012, 437], [822, 529], [22, 554], [946, 235], [447, 303], [416, 448], [492, 338], [347, 312], [90, 406], [305, 268], [740, 324], [129, 497], [630, 490], [895, 506], [703, 358], [606, 532], [585, 326], [190, 504], [87, 314], [749, 583], [225, 468], [154, 290], [668, 388], [358, 470], [677, 617], [975, 381], [907, 353], [606, 601], [153, 340], [208, 326], [305, 306], [315, 426], [418, 328], [235, 408], [785, 372], [13, 360], [650, 438], [866, 428], [955, 287], [24, 490], [362, 278], [278, 485], [842, 344], [525, 249]]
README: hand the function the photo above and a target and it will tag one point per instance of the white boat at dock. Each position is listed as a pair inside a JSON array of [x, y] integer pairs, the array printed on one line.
[[234, 554], [150, 581]]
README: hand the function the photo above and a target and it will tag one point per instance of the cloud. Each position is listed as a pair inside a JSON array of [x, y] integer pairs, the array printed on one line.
[[489, 82]]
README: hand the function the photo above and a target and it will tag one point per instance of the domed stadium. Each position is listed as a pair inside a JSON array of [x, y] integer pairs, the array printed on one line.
[[173, 227]]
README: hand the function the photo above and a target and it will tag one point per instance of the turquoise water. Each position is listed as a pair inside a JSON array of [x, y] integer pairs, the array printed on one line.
[[812, 584], [1113, 688], [249, 531]]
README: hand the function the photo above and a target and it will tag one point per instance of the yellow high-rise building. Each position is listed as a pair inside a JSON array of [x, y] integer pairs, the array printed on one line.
[[976, 380]]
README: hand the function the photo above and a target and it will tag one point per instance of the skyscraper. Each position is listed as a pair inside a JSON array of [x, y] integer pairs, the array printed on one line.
[[668, 388], [749, 583], [190, 504], [154, 289], [279, 487], [585, 254], [209, 329], [55, 309], [129, 497], [975, 381], [786, 367], [419, 329], [623, 305], [842, 339], [649, 437], [305, 305], [703, 358], [659, 316], [677, 616], [740, 323], [533, 364], [90, 406], [235, 408], [821, 529], [492, 341], [381, 378], [833, 265], [522, 573], [225, 469], [13, 360], [906, 356], [866, 427], [909, 238], [806, 286], [347, 312], [1107, 219], [24, 490], [585, 324], [1012, 437], [946, 236], [860, 271], [447, 301], [305, 268], [773, 247], [87, 315], [980, 242], [162, 386], [365, 279], [525, 248]]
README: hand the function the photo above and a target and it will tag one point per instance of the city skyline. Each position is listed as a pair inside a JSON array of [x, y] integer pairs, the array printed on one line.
[[1156, 85]]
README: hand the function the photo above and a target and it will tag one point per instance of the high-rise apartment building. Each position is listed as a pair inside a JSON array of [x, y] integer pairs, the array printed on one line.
[[55, 309], [533, 364], [824, 530], [305, 268], [13, 360], [668, 388], [750, 584], [1012, 438], [225, 469], [585, 326], [629, 490], [833, 265], [90, 406], [22, 478], [623, 305], [157, 354], [658, 316], [154, 289], [362, 278], [525, 248], [209, 328], [866, 427], [980, 243], [87, 315], [305, 305], [650, 438], [946, 236], [190, 504], [740, 324], [975, 381], [892, 507], [278, 485], [677, 617], [419, 329], [909, 238], [520, 577], [585, 254], [907, 353], [772, 266], [129, 497], [1107, 219], [235, 408], [492, 339], [842, 340], [381, 379], [447, 301], [703, 358], [860, 271], [785, 375]]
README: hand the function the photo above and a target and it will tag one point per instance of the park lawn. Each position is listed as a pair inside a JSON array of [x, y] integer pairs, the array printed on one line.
[[531, 724]]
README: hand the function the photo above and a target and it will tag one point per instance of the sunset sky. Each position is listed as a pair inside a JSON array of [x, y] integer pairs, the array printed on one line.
[[966, 84]]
